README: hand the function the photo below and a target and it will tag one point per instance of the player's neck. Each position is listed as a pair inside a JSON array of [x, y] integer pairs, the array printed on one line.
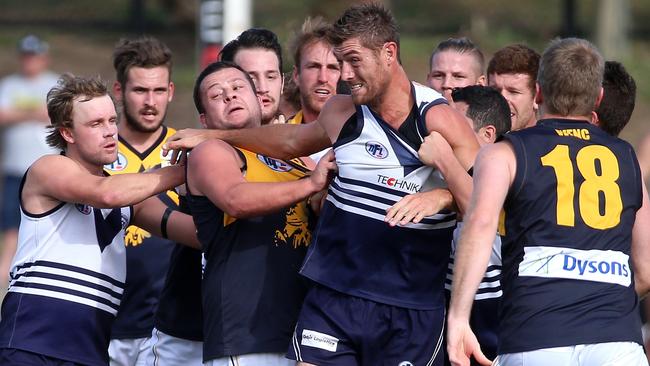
[[557, 116], [91, 168], [140, 141], [309, 115], [394, 105]]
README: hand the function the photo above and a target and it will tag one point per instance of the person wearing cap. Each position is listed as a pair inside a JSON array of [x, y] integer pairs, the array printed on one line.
[[23, 118]]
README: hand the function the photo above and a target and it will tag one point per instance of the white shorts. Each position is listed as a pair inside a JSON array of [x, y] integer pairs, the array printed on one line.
[[129, 352], [599, 354], [254, 359], [167, 350]]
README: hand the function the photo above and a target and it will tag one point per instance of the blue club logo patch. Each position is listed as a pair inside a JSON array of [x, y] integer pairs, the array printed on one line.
[[376, 150], [277, 165]]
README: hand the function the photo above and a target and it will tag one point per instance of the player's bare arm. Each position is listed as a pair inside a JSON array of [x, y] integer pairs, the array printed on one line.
[[435, 151], [225, 186], [453, 127], [56, 178], [282, 141], [494, 171], [641, 247], [179, 227]]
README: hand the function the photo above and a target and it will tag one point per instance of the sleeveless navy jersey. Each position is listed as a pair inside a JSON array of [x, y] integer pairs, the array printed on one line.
[[252, 291], [147, 256], [567, 275], [354, 251], [179, 311], [67, 281]]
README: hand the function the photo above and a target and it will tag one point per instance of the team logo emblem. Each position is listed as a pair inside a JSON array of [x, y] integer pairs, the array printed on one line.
[[405, 363], [277, 165], [118, 165], [376, 150], [84, 209]]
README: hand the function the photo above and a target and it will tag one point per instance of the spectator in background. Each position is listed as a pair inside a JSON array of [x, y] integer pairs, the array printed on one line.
[[513, 71], [23, 116], [455, 63]]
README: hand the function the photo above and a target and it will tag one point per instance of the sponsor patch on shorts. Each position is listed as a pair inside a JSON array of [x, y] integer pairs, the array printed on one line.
[[605, 266], [315, 339]]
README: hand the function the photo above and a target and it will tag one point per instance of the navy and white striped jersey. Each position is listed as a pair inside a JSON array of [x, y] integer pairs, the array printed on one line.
[[569, 214], [484, 318], [66, 284], [354, 251]]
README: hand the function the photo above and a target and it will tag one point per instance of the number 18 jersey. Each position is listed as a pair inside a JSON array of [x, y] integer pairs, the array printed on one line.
[[567, 275]]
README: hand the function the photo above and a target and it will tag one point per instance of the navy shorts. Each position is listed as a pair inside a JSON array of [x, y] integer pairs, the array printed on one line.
[[16, 357], [335, 329], [10, 214]]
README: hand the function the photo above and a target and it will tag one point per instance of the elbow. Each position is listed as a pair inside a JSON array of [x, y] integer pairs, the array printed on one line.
[[112, 199], [642, 286], [109, 200], [235, 208]]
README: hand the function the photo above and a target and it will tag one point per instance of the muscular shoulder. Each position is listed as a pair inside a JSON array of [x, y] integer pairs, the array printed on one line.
[[497, 155], [213, 151], [48, 164], [335, 113]]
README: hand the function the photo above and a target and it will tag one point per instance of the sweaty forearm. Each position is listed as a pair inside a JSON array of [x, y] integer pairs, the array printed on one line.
[[255, 199], [128, 189], [280, 141]]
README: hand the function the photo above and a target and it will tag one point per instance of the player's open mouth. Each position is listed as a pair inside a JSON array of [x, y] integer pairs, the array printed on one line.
[[354, 87]]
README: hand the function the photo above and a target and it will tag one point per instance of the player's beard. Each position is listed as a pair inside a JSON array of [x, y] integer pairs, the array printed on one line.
[[136, 125]]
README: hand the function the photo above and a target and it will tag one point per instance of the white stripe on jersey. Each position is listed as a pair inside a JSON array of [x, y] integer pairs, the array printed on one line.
[[448, 220], [490, 286]]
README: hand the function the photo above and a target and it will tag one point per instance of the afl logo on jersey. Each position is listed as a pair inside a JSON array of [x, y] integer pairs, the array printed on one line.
[[84, 209], [376, 150], [277, 165], [118, 165]]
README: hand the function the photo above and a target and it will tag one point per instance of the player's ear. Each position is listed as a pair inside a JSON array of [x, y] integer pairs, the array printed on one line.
[[390, 52], [482, 80], [171, 91], [203, 120], [539, 99], [294, 74], [117, 91], [488, 134], [66, 133], [600, 97]]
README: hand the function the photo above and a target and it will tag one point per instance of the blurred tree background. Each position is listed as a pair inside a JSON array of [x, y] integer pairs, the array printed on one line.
[[82, 33]]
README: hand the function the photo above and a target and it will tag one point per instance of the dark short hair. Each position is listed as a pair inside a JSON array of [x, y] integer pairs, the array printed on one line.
[[252, 38], [372, 23], [460, 45], [486, 106], [515, 59], [146, 52], [619, 97], [60, 101], [211, 69]]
